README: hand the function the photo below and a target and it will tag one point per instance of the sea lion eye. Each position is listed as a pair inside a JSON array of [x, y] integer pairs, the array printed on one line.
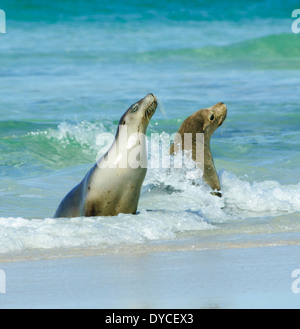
[[212, 117], [135, 107]]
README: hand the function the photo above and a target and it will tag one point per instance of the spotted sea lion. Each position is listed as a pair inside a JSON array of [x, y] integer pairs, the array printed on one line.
[[204, 121], [114, 184]]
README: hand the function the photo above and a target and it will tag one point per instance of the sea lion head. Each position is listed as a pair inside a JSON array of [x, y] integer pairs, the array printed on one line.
[[138, 116], [207, 120], [213, 117]]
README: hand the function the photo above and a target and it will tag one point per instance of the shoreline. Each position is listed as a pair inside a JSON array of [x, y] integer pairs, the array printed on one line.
[[236, 277], [209, 242]]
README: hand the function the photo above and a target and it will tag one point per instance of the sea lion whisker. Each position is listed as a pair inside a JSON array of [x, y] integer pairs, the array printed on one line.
[[162, 109]]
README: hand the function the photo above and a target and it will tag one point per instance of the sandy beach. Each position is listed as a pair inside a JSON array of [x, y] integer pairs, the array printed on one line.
[[69, 71], [235, 277]]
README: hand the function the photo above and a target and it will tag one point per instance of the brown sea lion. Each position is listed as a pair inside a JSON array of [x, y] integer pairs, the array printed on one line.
[[204, 121]]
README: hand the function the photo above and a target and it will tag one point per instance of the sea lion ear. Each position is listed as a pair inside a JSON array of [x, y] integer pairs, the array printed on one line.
[[206, 123]]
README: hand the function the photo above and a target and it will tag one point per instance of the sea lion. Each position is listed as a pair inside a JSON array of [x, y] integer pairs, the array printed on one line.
[[114, 184], [204, 121]]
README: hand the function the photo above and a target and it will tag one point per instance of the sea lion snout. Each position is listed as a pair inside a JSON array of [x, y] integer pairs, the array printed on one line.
[[150, 103], [221, 112], [150, 98], [220, 107], [147, 100]]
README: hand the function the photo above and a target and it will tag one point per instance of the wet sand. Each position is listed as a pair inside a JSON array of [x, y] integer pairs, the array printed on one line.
[[235, 277]]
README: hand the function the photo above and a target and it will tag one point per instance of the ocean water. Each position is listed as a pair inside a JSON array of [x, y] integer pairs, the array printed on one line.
[[70, 69]]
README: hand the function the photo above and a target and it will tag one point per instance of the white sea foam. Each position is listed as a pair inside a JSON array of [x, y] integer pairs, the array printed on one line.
[[260, 197], [84, 133], [170, 205], [18, 234], [173, 202]]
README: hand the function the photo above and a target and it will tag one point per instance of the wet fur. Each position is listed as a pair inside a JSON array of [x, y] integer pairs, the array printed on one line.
[[199, 122]]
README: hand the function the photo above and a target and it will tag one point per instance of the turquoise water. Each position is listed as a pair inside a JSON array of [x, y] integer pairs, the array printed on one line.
[[70, 69]]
